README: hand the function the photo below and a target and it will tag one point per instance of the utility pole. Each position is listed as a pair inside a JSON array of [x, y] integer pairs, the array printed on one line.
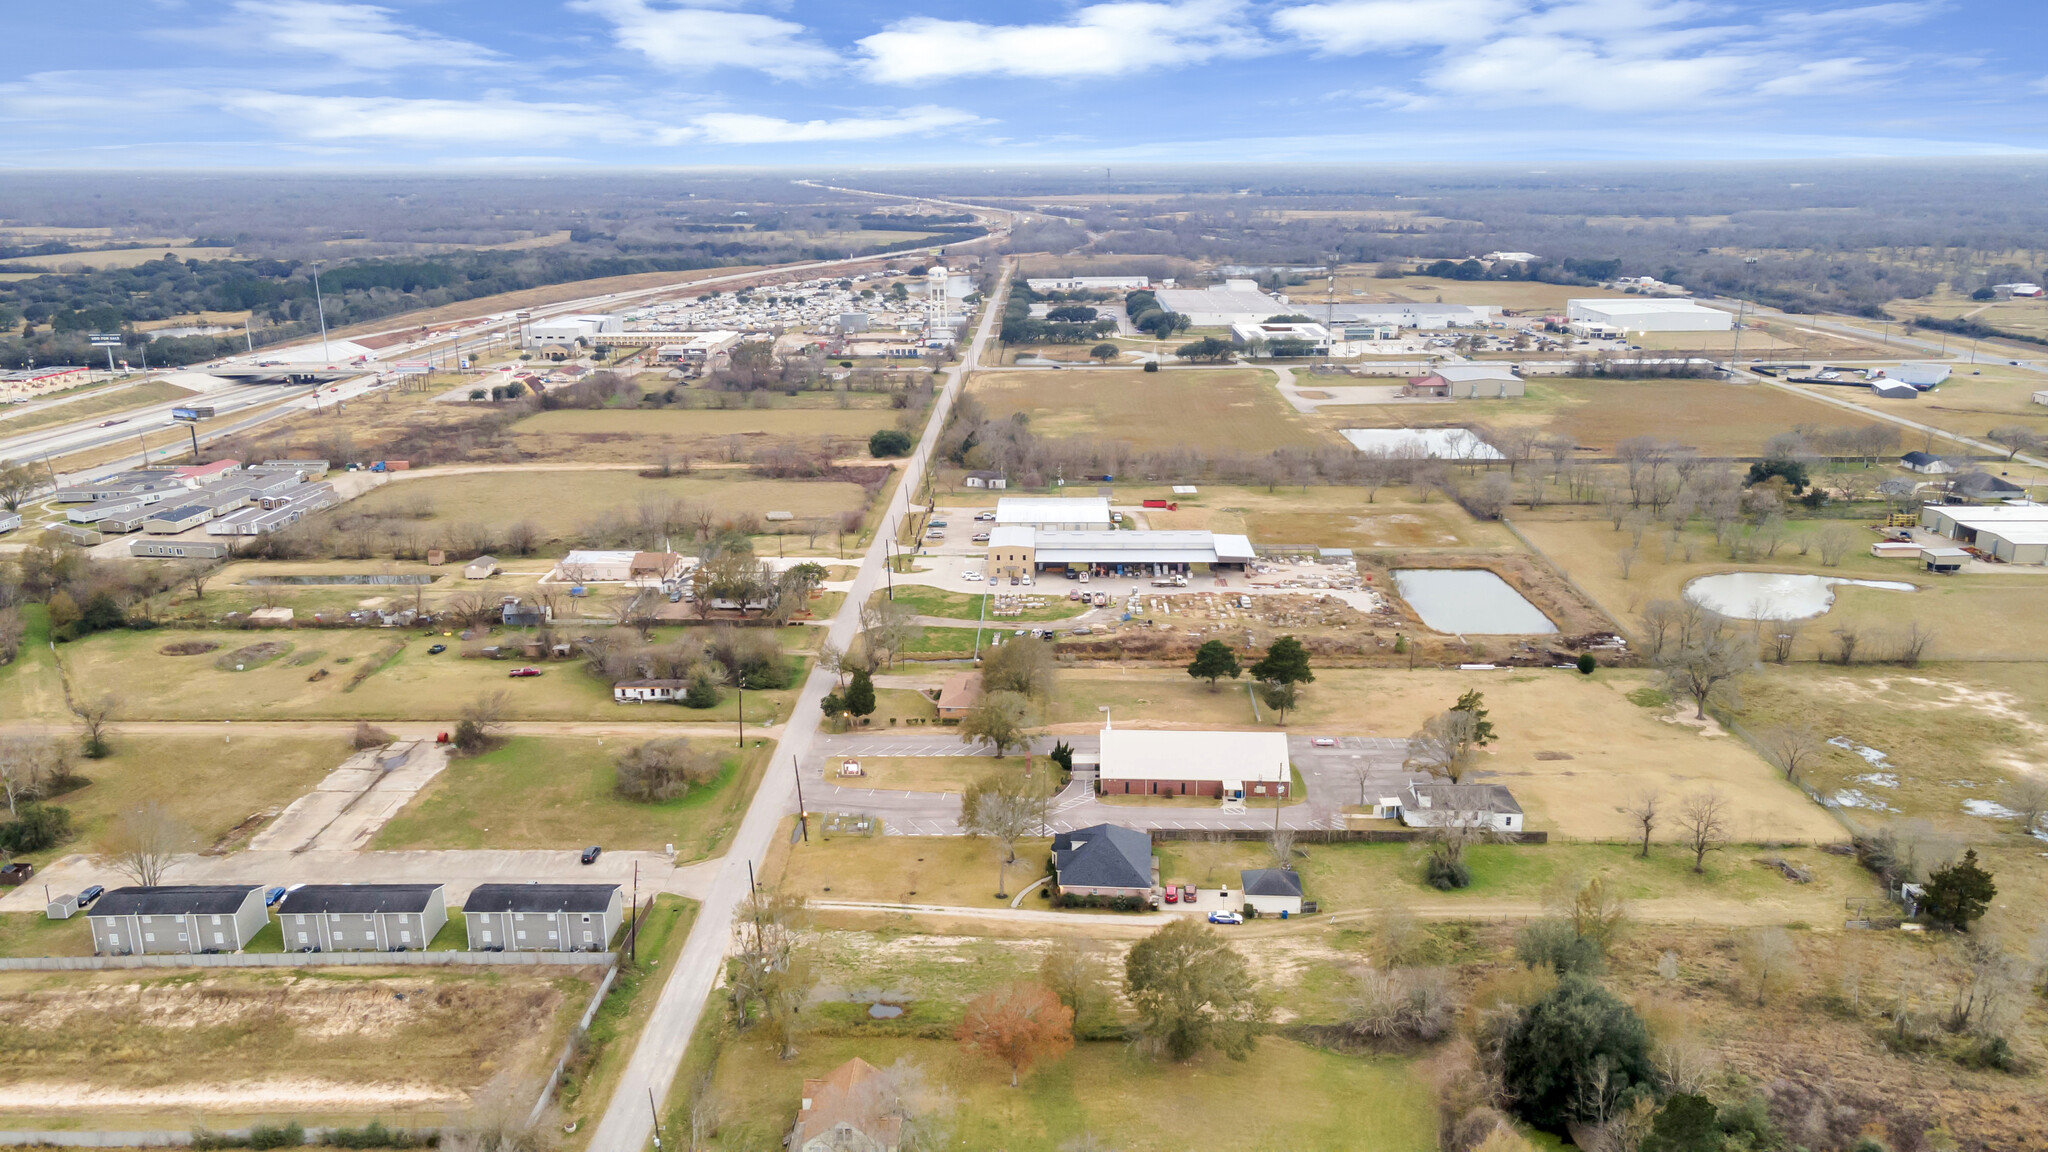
[[657, 1119], [633, 941], [802, 820], [743, 712]]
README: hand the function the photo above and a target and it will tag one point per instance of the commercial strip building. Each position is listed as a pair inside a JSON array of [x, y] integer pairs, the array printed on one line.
[[2014, 533], [1224, 765], [1021, 551], [1596, 317]]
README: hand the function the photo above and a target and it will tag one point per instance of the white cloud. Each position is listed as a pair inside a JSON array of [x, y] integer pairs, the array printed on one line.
[[699, 39], [742, 128], [1890, 15], [1562, 70], [1348, 26], [1100, 40], [1836, 75], [436, 122], [363, 35]]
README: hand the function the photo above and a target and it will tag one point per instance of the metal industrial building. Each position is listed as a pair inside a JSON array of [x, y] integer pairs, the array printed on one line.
[[1023, 551], [2016, 533], [1648, 314], [1080, 513], [1231, 302]]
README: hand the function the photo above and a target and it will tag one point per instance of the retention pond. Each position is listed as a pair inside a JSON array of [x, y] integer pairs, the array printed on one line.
[[1775, 595], [1469, 600]]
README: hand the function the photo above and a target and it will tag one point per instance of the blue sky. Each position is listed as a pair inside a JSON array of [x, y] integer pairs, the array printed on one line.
[[463, 83]]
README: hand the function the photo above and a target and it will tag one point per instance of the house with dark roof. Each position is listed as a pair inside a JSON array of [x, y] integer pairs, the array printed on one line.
[[361, 917], [1926, 463], [1461, 806], [1983, 487], [842, 1113], [176, 918], [1271, 891], [1104, 860], [542, 917]]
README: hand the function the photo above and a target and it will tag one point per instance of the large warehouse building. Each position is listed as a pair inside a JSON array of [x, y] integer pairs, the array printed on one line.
[[1648, 314], [1231, 302], [1225, 765], [2014, 533], [1025, 551]]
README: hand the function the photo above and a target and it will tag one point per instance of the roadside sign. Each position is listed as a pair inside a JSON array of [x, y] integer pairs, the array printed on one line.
[[105, 339], [414, 367]]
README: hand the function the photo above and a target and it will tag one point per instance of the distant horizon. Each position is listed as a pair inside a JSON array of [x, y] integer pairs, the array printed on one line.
[[596, 85]]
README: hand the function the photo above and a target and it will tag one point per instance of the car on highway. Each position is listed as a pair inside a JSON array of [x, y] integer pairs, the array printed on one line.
[[591, 853], [1324, 742], [523, 673], [1225, 918], [437, 649], [111, 423]]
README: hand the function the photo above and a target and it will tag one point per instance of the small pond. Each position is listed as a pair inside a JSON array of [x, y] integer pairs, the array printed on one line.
[[404, 578], [884, 1011], [1775, 595], [1469, 600]]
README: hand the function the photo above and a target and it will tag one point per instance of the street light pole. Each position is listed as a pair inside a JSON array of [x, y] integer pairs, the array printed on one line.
[[320, 305]]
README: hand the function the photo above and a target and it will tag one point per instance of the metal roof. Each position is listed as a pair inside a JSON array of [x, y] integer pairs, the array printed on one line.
[[540, 898], [1466, 797], [174, 900], [1137, 754], [358, 898], [1033, 510]]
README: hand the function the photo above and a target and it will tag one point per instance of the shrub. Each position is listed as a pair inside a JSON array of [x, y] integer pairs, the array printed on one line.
[[702, 693], [1446, 875], [1587, 664], [35, 828], [1402, 1004], [368, 735], [1556, 945], [263, 1136], [889, 442], [1151, 365], [1576, 1044], [663, 770]]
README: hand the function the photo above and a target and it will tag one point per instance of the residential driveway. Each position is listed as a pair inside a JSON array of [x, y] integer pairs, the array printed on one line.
[[1332, 777]]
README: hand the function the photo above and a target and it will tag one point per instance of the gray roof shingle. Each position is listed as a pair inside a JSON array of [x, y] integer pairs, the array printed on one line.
[[354, 898], [540, 898], [1103, 856], [1270, 882], [174, 900]]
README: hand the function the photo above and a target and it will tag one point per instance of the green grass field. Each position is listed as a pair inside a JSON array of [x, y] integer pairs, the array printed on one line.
[[114, 401], [1286, 1095], [928, 601], [414, 685], [560, 501], [33, 686], [557, 793], [687, 424], [1234, 407]]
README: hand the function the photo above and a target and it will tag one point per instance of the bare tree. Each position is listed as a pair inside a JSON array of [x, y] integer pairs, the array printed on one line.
[[1626, 559], [1280, 842], [1792, 747], [1442, 747], [1779, 642], [1835, 541], [1914, 643], [145, 843], [707, 1111], [1703, 817], [1706, 665], [1643, 812], [196, 573], [96, 717], [1769, 961], [2027, 797], [1847, 638], [2014, 438]]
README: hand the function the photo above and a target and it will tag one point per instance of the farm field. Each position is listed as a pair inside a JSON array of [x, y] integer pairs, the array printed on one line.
[[1326, 516], [637, 436], [119, 257], [537, 792], [116, 400], [1613, 747], [2027, 317], [561, 501], [179, 1050], [1714, 417], [953, 870], [409, 684], [1971, 402], [1979, 616], [1236, 409]]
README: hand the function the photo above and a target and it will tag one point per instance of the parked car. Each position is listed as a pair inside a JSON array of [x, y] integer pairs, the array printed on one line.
[[1225, 918], [437, 649], [1187, 893], [984, 515], [1172, 894], [981, 537], [1324, 742], [91, 894], [522, 673], [271, 897], [936, 524], [591, 853]]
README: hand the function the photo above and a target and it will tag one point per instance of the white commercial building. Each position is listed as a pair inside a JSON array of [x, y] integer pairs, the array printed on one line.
[[1072, 514], [1088, 283], [1226, 765], [1231, 302], [1649, 314], [2014, 533], [1315, 336], [567, 330], [1427, 317]]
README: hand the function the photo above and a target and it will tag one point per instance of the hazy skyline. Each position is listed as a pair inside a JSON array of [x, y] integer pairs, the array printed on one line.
[[315, 83]]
